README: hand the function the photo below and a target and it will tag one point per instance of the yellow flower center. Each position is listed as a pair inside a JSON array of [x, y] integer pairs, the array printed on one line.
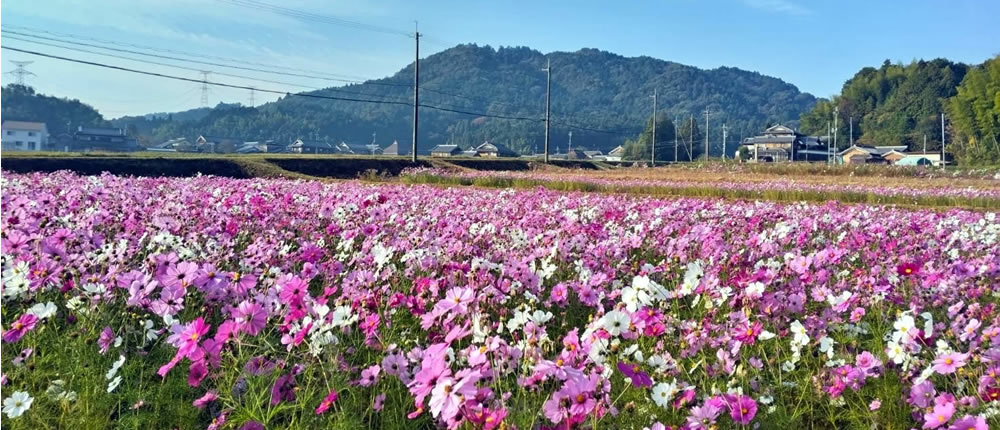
[[947, 361]]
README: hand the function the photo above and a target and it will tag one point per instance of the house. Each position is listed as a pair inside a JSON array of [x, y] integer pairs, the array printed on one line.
[[179, 144], [311, 147], [780, 143], [446, 151], [217, 144], [577, 154], [109, 139], [595, 155], [862, 154], [493, 150], [396, 149], [24, 136], [615, 154]]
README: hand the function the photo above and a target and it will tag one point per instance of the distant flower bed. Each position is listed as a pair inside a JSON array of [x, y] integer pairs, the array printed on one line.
[[218, 303], [749, 187]]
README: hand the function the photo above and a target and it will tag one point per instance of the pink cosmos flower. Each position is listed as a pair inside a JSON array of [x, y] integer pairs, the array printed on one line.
[[875, 405], [22, 326], [970, 422], [369, 376], [250, 317], [922, 394], [203, 401], [104, 341], [327, 402], [939, 416], [379, 402], [703, 417], [908, 269], [948, 363], [449, 394]]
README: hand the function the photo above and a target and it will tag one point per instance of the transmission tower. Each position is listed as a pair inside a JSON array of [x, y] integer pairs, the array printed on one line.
[[252, 89], [20, 72], [204, 88]]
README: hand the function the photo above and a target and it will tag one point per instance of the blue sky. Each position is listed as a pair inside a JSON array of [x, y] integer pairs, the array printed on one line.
[[815, 45]]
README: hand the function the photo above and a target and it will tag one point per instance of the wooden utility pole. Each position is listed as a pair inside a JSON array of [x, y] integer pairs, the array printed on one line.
[[706, 134], [724, 130], [416, 94], [548, 93], [652, 143], [675, 140], [942, 140]]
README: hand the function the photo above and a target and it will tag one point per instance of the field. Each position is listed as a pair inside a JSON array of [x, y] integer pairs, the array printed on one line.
[[211, 302]]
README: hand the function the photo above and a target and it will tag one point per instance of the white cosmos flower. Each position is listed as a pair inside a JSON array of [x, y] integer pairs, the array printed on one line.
[[765, 335], [114, 367], [895, 352], [755, 290], [17, 404], [799, 336], [664, 392], [43, 310], [616, 322], [692, 278], [826, 346], [114, 383]]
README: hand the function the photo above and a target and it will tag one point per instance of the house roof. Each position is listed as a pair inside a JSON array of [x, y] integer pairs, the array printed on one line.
[[312, 144], [617, 151], [220, 139], [769, 139], [24, 125], [874, 150], [446, 148], [101, 131], [396, 149], [495, 147], [779, 129]]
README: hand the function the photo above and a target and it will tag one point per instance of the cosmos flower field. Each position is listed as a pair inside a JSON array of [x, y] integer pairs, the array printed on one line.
[[209, 302]]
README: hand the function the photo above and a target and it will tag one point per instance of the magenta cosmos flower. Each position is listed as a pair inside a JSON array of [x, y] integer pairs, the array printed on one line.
[[743, 410], [104, 341], [327, 402], [250, 317], [22, 326], [639, 378], [949, 363]]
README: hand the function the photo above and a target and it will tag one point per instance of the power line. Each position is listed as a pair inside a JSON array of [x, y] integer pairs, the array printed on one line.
[[193, 69], [187, 53], [309, 16], [209, 63], [244, 87]]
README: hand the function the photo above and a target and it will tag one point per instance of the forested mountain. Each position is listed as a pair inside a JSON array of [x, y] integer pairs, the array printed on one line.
[[590, 88], [21, 103], [894, 104]]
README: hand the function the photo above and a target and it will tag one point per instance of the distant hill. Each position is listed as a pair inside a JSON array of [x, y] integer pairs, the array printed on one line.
[[21, 103], [590, 88]]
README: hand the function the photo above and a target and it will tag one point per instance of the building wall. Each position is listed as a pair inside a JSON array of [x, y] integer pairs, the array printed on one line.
[[24, 140]]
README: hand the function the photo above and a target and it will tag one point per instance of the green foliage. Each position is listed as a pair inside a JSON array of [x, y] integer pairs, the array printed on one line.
[[975, 115], [590, 88], [60, 115], [891, 105]]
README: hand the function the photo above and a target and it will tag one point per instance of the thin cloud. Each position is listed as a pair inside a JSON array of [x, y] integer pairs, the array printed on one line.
[[780, 6]]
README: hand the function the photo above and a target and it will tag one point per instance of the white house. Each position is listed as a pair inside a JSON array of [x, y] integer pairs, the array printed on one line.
[[24, 136]]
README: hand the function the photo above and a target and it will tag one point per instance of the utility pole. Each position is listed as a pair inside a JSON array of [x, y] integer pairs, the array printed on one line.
[[925, 143], [706, 134], [942, 140], [691, 141], [570, 142], [416, 91], [548, 93], [675, 140], [204, 88], [836, 113], [724, 130], [829, 149], [19, 73], [652, 143], [852, 131]]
